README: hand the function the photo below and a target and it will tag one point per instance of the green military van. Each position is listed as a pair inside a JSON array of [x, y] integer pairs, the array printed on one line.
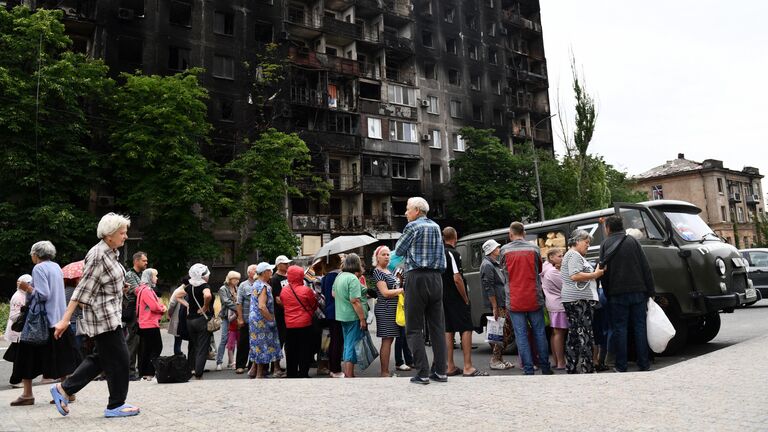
[[697, 274]]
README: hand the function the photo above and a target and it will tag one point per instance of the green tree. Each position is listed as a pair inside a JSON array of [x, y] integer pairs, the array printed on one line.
[[160, 174], [487, 184], [274, 167], [48, 162]]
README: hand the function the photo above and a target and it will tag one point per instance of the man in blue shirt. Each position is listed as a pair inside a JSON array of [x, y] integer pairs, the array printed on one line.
[[421, 245]]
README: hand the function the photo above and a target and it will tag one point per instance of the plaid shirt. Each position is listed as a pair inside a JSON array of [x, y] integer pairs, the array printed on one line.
[[100, 291], [422, 245]]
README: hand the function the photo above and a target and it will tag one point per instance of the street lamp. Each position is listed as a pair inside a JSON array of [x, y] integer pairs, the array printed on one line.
[[536, 166]]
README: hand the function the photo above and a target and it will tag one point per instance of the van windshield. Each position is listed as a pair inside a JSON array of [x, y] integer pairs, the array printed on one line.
[[690, 226]]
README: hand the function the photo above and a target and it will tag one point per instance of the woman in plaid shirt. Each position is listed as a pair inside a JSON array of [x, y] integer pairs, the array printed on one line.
[[100, 294]]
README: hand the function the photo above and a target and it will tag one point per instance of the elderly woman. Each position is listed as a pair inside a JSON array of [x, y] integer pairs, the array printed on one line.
[[149, 311], [387, 287], [177, 316], [200, 299], [18, 302], [299, 303], [228, 314], [100, 294], [264, 339], [552, 285], [494, 283], [351, 308], [332, 268], [56, 357], [579, 297]]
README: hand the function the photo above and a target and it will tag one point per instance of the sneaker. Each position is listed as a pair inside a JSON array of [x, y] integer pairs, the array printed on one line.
[[420, 380], [439, 378], [219, 367], [547, 371], [498, 365], [404, 367], [337, 375]]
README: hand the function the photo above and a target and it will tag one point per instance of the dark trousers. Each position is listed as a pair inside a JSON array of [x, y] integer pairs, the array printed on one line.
[[625, 309], [243, 340], [132, 341], [109, 356], [424, 299], [150, 348], [199, 344], [401, 349], [578, 346], [336, 346], [177, 345], [299, 348]]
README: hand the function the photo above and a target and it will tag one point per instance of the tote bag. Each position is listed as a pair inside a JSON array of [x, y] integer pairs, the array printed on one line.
[[35, 329]]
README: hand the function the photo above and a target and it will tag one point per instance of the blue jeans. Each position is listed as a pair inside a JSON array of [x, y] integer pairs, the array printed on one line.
[[223, 342], [629, 309], [520, 325]]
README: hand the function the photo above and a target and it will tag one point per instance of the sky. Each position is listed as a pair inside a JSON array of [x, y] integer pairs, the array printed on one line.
[[668, 77]]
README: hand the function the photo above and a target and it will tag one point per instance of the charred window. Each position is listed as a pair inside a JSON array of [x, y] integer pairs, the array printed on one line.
[[137, 6], [130, 50], [370, 91], [226, 110], [181, 13], [224, 23], [178, 58], [264, 32], [223, 67]]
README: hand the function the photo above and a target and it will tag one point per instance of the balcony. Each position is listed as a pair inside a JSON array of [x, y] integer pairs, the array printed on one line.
[[376, 222], [515, 18], [399, 8], [342, 28], [734, 197], [308, 97], [541, 134], [377, 184], [344, 182], [753, 199], [399, 75], [396, 43], [406, 187], [311, 222], [392, 147], [299, 16]]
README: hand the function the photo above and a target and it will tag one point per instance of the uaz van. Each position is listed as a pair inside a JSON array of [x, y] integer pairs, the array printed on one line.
[[697, 274]]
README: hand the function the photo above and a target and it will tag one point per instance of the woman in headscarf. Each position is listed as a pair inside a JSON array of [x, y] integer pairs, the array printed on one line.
[[200, 300], [149, 311], [299, 303], [18, 303]]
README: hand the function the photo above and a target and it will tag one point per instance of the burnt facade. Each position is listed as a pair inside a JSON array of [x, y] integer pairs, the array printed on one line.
[[378, 89]]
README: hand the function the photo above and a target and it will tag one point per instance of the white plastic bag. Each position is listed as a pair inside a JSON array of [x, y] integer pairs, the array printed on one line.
[[495, 331], [658, 327]]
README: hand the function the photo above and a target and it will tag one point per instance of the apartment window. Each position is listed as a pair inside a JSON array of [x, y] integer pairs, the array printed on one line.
[[723, 214], [492, 29], [374, 128], [226, 110], [493, 56], [496, 86], [428, 7], [720, 186], [451, 46], [399, 169], [472, 52], [434, 105], [455, 108], [454, 77], [657, 192], [137, 6], [739, 214], [223, 67], [430, 71], [180, 13], [178, 58], [474, 82], [458, 142], [471, 22], [437, 139], [402, 131], [450, 12], [401, 95], [264, 32], [343, 123], [498, 117], [436, 173], [130, 50], [477, 113], [426, 38], [224, 23]]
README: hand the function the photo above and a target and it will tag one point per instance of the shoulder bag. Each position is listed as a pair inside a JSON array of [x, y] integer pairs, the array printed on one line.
[[317, 315], [35, 329], [214, 322]]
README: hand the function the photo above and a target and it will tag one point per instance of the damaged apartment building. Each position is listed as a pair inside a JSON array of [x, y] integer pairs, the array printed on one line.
[[378, 89]]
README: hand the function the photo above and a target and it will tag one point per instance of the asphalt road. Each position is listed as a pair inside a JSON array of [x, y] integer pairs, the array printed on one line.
[[737, 327]]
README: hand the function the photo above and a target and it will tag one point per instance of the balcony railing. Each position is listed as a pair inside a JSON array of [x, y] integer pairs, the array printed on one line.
[[301, 17], [406, 187], [398, 7], [542, 134], [393, 41], [512, 16], [308, 96], [344, 182], [399, 75]]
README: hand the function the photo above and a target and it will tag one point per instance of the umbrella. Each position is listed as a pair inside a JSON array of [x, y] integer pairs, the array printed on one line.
[[73, 270], [344, 243]]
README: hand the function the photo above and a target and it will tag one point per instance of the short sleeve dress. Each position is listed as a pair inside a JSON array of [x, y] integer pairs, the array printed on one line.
[[385, 308], [264, 340]]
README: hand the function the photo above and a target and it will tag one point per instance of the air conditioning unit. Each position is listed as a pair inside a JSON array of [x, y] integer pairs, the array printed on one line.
[[125, 14], [424, 103], [425, 137], [736, 197]]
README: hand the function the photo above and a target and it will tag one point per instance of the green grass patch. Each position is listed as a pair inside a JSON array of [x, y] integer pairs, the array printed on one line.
[[5, 310]]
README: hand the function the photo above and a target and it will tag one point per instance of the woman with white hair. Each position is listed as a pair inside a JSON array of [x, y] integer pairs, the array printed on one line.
[[200, 300], [56, 358], [149, 311], [17, 305], [100, 295], [228, 314]]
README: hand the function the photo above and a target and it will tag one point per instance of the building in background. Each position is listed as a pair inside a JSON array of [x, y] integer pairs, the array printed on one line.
[[728, 198], [378, 89]]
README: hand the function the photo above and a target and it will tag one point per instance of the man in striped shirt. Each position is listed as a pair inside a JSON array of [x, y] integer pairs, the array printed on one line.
[[422, 247]]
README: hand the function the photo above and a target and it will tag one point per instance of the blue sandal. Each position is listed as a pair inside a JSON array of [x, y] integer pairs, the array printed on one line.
[[118, 412], [59, 399]]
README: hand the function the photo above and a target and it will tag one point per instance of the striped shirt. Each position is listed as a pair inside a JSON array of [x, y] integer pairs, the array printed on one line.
[[422, 245], [574, 263], [100, 291]]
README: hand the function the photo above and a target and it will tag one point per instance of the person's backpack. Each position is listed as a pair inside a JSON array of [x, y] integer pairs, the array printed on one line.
[[129, 309], [172, 369]]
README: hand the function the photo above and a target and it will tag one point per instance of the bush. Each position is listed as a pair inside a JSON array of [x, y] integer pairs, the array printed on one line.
[[5, 309]]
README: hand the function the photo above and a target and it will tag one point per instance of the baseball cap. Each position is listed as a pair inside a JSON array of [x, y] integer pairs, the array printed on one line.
[[263, 266], [489, 246], [282, 259], [25, 278]]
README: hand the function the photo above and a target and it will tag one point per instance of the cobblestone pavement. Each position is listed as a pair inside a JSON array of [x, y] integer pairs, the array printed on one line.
[[720, 391]]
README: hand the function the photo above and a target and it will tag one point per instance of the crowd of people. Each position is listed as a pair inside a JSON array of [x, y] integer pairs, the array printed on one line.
[[105, 323]]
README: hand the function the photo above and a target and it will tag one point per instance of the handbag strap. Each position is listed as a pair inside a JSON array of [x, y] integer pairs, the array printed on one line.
[[299, 300], [198, 303]]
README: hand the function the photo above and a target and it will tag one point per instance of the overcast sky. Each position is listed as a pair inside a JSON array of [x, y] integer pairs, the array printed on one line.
[[669, 77]]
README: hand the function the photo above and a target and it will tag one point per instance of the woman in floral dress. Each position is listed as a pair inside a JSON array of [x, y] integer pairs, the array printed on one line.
[[264, 339]]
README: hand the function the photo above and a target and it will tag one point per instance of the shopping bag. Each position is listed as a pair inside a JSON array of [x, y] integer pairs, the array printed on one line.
[[365, 351], [658, 327], [35, 330], [400, 313], [495, 331]]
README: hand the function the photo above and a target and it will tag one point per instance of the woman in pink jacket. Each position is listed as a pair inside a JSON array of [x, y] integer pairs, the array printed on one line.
[[551, 284], [149, 311]]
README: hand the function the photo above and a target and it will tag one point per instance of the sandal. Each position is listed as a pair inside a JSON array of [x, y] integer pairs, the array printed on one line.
[[59, 400], [23, 401], [476, 373], [454, 372], [72, 398], [121, 411]]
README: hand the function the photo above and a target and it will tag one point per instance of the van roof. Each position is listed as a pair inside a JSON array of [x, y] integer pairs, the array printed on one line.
[[578, 217]]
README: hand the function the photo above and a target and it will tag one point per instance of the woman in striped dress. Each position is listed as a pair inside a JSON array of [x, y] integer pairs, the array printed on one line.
[[388, 289]]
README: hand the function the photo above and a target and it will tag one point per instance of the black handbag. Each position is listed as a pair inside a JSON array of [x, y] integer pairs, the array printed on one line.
[[18, 325], [172, 369]]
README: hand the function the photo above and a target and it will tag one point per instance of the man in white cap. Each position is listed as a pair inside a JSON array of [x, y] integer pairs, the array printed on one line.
[[494, 285], [278, 281]]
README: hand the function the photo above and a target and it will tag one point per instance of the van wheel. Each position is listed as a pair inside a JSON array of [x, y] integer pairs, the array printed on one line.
[[705, 329], [681, 335]]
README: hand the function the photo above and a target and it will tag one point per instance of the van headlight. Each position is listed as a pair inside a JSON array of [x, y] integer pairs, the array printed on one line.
[[720, 264]]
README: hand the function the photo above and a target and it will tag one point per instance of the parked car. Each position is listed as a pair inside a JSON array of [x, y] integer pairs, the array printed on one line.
[[758, 269]]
